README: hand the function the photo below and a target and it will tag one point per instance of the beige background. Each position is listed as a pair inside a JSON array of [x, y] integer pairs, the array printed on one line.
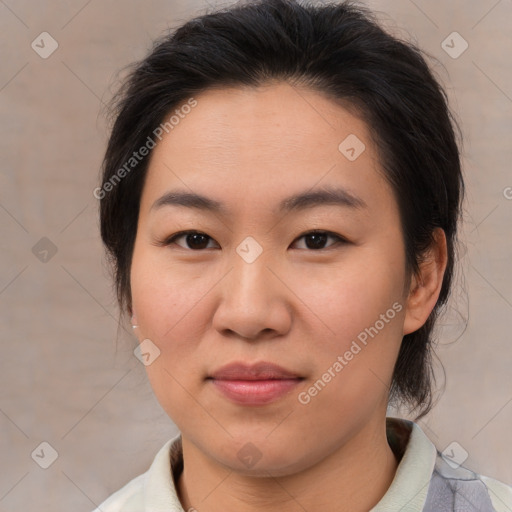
[[62, 380]]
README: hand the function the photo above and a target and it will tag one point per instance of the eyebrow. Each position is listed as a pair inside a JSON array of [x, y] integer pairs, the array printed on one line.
[[300, 201]]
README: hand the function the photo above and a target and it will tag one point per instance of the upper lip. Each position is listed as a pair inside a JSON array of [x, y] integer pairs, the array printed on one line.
[[258, 371]]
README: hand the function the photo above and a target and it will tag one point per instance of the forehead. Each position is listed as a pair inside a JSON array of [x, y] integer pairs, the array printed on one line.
[[271, 120], [266, 140]]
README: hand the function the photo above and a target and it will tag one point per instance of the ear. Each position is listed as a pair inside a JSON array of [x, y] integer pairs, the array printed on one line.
[[426, 284]]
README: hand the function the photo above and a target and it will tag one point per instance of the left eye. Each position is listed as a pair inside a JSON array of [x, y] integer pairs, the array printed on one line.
[[316, 240]]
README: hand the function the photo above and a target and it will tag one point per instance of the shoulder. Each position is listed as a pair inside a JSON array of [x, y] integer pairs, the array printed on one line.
[[460, 487], [129, 498], [451, 486], [152, 490], [501, 493]]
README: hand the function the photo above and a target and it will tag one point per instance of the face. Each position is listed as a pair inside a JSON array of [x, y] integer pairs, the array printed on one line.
[[279, 318]]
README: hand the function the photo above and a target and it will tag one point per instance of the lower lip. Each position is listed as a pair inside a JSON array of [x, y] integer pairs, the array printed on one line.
[[255, 392]]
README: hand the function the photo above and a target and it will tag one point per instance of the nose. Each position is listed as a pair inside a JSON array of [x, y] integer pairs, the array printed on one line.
[[254, 302]]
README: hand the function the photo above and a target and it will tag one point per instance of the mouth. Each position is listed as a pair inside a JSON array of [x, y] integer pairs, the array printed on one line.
[[257, 384], [253, 372]]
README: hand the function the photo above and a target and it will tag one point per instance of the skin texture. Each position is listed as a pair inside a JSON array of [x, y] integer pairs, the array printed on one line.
[[295, 306]]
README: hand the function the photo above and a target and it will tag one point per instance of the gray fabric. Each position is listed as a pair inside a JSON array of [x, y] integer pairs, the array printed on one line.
[[456, 490]]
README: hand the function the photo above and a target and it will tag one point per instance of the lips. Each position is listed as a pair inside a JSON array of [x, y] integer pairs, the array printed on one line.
[[256, 384], [259, 371]]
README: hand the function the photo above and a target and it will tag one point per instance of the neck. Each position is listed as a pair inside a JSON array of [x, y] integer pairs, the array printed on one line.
[[352, 479]]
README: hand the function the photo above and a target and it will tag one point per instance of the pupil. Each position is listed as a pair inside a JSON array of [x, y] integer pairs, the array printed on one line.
[[194, 241], [318, 240]]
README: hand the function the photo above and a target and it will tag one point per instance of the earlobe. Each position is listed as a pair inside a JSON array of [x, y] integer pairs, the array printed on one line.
[[426, 284]]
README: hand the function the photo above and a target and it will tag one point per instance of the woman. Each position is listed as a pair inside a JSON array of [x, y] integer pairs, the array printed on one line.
[[280, 198]]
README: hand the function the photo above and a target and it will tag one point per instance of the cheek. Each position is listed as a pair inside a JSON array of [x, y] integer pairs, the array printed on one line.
[[345, 300], [170, 308], [354, 361], [361, 309], [167, 299]]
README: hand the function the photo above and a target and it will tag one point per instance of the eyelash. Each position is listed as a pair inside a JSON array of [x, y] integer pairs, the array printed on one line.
[[172, 239]]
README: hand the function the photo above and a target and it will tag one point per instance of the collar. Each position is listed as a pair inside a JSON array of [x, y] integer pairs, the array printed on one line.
[[417, 457]]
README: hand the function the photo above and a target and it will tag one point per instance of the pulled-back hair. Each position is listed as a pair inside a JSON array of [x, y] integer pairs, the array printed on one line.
[[339, 50]]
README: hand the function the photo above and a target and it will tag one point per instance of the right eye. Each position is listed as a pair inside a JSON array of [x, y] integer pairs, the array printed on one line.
[[194, 240]]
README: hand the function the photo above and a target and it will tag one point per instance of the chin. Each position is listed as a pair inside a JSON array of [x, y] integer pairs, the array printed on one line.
[[261, 459]]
